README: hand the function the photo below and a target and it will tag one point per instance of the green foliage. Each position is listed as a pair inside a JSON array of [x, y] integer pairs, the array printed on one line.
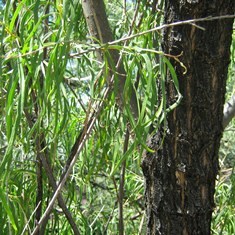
[[223, 222], [224, 214], [50, 83]]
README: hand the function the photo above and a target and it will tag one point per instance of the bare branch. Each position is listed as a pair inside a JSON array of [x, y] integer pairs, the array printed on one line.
[[121, 187], [95, 47], [158, 28], [229, 111]]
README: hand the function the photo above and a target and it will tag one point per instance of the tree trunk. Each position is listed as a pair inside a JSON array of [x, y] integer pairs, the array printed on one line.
[[180, 176]]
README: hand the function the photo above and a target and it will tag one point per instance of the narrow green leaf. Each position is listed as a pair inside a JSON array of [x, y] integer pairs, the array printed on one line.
[[7, 209]]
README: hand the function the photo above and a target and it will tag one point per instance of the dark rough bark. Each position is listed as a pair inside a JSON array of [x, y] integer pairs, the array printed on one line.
[[180, 176]]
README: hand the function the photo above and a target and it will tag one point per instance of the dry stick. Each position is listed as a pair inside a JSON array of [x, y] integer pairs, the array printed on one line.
[[158, 28], [178, 23], [77, 148], [95, 115], [141, 225], [60, 199], [27, 224], [96, 47], [109, 219], [51, 178], [87, 122]]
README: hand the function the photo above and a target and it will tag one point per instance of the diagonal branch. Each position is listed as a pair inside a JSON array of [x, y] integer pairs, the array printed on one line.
[[229, 111], [97, 21], [79, 144], [121, 187]]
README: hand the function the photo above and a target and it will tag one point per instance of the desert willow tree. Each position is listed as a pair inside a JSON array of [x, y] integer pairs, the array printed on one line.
[[45, 126], [180, 175], [52, 56]]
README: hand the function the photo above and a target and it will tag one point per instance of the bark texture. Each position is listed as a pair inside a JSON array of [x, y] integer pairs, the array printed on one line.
[[180, 176]]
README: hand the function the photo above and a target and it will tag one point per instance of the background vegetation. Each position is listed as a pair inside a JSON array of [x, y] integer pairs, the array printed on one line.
[[50, 80], [223, 222]]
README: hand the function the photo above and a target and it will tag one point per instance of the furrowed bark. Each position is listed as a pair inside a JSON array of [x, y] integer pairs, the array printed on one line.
[[180, 176]]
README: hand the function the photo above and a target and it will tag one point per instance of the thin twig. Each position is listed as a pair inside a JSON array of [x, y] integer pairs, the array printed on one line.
[[42, 157], [141, 224], [121, 187], [40, 145], [31, 216], [126, 141], [109, 219], [178, 23], [96, 47], [158, 28]]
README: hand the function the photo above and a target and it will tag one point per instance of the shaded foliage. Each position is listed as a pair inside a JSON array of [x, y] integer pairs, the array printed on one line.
[[50, 81]]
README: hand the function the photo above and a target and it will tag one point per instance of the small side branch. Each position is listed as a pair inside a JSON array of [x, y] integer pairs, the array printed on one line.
[[229, 111], [121, 187]]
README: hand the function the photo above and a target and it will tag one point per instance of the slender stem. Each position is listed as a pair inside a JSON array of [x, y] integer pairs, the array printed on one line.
[[39, 195], [178, 23], [121, 187], [124, 10], [229, 111]]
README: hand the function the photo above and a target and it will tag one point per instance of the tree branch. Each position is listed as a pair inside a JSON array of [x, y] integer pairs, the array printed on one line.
[[97, 21], [121, 186], [229, 111]]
